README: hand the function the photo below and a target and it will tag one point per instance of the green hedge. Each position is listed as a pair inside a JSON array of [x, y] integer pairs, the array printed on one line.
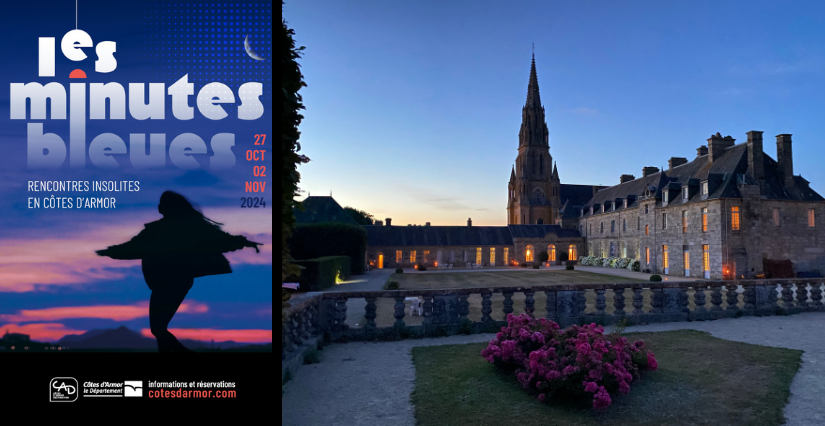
[[320, 273], [314, 240]]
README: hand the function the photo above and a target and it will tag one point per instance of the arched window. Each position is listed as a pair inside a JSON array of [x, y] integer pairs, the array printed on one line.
[[528, 253], [572, 253], [551, 252]]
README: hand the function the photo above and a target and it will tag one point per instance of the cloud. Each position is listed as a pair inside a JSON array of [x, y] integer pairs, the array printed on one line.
[[585, 111], [207, 334], [112, 312], [44, 332]]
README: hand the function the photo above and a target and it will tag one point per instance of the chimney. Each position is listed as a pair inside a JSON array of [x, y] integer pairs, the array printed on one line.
[[702, 150], [649, 171], [626, 178], [378, 222], [388, 221], [427, 224], [717, 145], [756, 164], [676, 161], [469, 221], [784, 156]]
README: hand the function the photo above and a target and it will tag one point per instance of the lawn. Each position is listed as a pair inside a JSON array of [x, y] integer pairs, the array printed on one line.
[[701, 380], [424, 280]]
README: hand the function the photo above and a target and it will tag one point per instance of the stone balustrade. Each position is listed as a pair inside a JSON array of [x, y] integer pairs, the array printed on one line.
[[446, 311], [302, 327]]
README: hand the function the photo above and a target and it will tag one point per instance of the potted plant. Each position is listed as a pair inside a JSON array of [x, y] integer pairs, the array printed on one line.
[[543, 257]]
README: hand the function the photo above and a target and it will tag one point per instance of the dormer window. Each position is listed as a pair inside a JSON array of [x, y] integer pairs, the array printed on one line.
[[625, 203], [613, 207], [591, 210], [705, 189], [664, 198], [602, 208], [685, 193]]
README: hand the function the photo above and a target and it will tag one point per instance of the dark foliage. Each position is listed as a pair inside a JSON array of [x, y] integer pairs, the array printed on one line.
[[313, 240], [360, 216], [321, 273]]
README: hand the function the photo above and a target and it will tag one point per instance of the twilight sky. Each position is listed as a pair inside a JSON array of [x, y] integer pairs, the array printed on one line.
[[51, 281], [413, 108]]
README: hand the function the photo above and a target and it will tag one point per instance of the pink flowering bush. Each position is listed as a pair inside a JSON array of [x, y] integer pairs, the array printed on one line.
[[579, 361]]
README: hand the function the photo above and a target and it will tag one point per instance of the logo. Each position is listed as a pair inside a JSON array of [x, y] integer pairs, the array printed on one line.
[[133, 388], [63, 389]]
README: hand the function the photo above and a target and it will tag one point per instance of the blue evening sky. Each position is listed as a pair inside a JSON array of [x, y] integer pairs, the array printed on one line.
[[413, 108]]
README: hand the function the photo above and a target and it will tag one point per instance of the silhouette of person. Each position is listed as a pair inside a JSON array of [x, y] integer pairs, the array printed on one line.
[[175, 250]]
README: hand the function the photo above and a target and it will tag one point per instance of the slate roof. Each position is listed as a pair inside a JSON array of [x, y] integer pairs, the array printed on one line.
[[724, 175], [322, 209], [378, 235], [574, 197]]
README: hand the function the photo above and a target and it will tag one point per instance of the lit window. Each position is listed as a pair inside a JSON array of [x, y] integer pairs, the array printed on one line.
[[506, 255], [528, 253], [478, 255], [426, 256], [705, 258], [704, 189], [572, 252], [734, 218], [612, 226], [492, 256], [687, 258], [624, 249], [647, 255], [647, 229], [684, 221], [664, 220], [412, 256], [665, 259], [398, 256], [811, 218], [551, 253], [776, 216], [705, 220]]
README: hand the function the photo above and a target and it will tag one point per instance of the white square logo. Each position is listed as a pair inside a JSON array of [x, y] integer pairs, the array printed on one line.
[[133, 388]]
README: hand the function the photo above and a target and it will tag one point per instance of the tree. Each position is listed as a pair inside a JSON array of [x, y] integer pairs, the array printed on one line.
[[291, 82], [360, 216]]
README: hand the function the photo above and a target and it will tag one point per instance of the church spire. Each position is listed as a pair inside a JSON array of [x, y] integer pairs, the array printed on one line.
[[555, 172], [533, 97], [513, 174]]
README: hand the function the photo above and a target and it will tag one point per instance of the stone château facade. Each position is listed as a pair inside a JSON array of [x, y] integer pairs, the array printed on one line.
[[731, 212]]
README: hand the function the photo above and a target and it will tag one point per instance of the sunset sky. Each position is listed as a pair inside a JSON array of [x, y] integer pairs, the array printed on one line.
[[413, 108], [51, 281]]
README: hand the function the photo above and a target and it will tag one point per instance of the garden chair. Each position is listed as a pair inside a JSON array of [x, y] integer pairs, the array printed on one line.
[[415, 306]]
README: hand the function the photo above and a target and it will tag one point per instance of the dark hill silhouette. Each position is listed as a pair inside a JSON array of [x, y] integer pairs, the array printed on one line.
[[124, 338]]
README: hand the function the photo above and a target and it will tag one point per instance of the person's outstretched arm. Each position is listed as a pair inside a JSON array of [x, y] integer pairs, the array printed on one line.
[[136, 248]]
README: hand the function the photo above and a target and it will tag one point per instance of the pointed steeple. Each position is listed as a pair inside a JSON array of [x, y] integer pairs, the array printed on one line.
[[533, 97], [513, 174], [555, 172]]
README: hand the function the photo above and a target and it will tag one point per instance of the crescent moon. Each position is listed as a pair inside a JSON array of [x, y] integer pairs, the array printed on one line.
[[250, 52]]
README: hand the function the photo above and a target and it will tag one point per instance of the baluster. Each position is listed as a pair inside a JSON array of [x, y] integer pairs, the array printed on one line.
[[638, 301], [550, 305], [370, 309], [732, 297], [787, 295], [580, 304], [428, 310], [399, 311], [657, 301], [486, 306], [682, 301], [463, 307], [287, 339], [816, 295], [802, 295], [340, 315], [716, 298], [618, 301], [772, 297], [749, 297], [529, 303], [508, 302], [699, 300], [601, 303]]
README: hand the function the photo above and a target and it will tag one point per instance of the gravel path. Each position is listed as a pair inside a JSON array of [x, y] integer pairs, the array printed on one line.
[[370, 383]]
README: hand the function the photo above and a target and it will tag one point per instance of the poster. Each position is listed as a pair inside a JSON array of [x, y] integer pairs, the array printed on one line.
[[135, 202]]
